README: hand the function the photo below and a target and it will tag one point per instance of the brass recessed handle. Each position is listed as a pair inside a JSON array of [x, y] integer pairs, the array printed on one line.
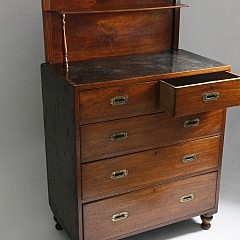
[[187, 198], [119, 174], [210, 96], [189, 158], [192, 123], [119, 216], [119, 136], [119, 100]]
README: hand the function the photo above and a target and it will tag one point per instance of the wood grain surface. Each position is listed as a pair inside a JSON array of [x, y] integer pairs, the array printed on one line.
[[184, 96], [106, 4], [112, 71], [139, 99], [148, 167], [144, 133], [148, 207]]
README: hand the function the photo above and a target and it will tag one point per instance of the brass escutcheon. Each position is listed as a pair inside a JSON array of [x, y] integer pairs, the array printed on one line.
[[187, 198], [119, 174], [119, 100], [119, 136], [189, 158], [119, 216], [192, 123], [210, 96]]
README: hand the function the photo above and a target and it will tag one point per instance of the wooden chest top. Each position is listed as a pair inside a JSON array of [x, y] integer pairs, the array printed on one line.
[[136, 68]]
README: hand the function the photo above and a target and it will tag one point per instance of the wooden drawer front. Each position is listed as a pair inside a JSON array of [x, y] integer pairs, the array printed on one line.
[[117, 102], [200, 93], [113, 176], [109, 139], [150, 207]]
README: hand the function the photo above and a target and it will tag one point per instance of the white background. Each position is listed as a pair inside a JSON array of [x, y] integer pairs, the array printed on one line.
[[210, 28]]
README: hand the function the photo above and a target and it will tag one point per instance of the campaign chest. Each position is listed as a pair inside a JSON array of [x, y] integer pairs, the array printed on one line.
[[134, 126]]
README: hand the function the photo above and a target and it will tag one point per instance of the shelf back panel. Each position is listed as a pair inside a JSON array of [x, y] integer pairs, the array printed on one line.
[[97, 35], [102, 4]]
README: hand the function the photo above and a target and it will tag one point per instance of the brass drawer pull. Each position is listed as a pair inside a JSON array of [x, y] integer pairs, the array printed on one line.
[[119, 174], [211, 96], [189, 158], [119, 216], [192, 123], [119, 100], [119, 136], [187, 198]]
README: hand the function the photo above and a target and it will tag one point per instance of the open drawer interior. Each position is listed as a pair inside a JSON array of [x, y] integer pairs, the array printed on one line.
[[200, 93]]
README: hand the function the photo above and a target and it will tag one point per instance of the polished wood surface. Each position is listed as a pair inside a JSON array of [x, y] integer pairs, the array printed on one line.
[[129, 145], [148, 207], [177, 94], [118, 102], [131, 69], [113, 25], [58, 98], [206, 222], [149, 167], [117, 10], [144, 133], [106, 4], [112, 34]]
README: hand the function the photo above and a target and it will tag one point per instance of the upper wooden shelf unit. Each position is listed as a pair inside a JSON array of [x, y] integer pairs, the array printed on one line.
[[124, 9], [88, 29]]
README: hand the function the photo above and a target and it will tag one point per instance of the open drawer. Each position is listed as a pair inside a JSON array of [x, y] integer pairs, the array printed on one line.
[[199, 93]]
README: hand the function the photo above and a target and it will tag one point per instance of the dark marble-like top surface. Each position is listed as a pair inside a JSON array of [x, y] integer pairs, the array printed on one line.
[[103, 70]]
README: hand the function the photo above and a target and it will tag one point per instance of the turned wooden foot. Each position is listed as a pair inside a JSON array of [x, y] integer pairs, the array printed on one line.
[[57, 226], [206, 222]]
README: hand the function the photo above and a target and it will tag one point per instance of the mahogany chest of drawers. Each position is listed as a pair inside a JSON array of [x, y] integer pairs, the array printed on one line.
[[134, 126]]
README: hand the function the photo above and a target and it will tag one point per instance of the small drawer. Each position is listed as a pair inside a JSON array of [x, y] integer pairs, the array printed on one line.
[[117, 102], [149, 208], [114, 138], [121, 174], [200, 93]]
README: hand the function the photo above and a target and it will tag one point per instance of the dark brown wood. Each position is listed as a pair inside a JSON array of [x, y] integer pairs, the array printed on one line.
[[147, 168], [132, 69], [58, 97], [57, 226], [176, 94], [112, 34], [117, 10], [137, 99], [219, 164], [111, 151], [176, 25], [206, 222], [144, 133], [148, 207], [106, 4], [78, 163]]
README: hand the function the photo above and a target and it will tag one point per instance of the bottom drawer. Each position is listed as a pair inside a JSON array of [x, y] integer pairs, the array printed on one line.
[[150, 207]]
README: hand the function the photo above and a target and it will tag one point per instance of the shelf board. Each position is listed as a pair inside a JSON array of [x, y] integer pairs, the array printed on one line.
[[92, 11]]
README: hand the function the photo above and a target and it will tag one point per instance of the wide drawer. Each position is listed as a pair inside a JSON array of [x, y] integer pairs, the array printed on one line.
[[200, 93], [150, 207], [118, 102], [114, 138], [121, 174]]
